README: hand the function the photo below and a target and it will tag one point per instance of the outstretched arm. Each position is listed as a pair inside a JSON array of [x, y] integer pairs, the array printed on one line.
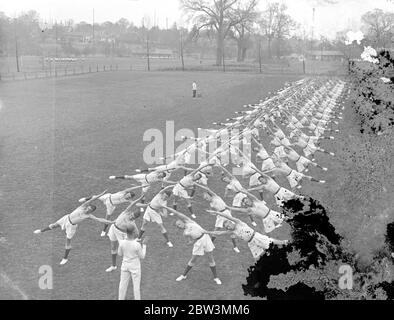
[[228, 172], [125, 177], [250, 194], [180, 215], [200, 168], [258, 188], [133, 204], [279, 242], [133, 188], [239, 209], [228, 217], [166, 188], [105, 221], [206, 189], [218, 233], [93, 199]]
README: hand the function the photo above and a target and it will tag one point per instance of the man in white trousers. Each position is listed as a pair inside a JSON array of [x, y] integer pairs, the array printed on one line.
[[132, 251]]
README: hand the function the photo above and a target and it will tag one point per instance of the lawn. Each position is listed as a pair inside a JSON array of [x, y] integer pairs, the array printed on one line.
[[61, 138]]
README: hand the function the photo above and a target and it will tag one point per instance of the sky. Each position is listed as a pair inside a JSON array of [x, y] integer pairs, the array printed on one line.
[[328, 18]]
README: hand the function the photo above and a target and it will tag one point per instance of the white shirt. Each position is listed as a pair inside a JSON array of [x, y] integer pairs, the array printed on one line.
[[194, 86], [131, 249]]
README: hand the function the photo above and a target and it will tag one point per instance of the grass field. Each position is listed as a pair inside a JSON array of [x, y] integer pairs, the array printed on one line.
[[61, 138]]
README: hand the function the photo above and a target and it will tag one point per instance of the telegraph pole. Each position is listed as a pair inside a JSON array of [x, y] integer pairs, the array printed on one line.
[[181, 38], [313, 27], [260, 69], [16, 47], [93, 27], [147, 48]]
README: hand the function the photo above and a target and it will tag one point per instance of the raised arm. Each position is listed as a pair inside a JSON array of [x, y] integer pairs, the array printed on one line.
[[228, 217], [133, 188], [228, 172], [180, 215], [239, 209], [132, 204], [105, 221], [200, 168], [206, 189], [93, 199]]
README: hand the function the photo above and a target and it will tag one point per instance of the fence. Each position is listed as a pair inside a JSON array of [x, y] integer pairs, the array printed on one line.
[[310, 67], [58, 72]]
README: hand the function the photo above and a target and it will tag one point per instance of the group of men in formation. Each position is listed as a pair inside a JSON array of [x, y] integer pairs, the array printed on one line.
[[282, 133]]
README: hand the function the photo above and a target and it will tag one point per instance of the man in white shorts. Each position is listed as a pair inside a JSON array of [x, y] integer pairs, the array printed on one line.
[[70, 222], [154, 212], [112, 200], [145, 179], [187, 183], [217, 204], [202, 243]]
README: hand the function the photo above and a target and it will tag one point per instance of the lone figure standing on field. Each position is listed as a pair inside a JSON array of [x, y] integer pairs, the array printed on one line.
[[194, 88]]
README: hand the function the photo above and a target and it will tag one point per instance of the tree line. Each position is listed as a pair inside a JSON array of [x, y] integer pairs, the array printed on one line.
[[219, 28]]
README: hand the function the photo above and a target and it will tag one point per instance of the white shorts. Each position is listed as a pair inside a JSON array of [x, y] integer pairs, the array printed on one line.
[[180, 191], [151, 215], [299, 125], [272, 221], [203, 180], [66, 225], [114, 234], [204, 244], [259, 244], [283, 195], [268, 164], [109, 205], [254, 180], [220, 220], [309, 150], [238, 199], [294, 177], [302, 164]]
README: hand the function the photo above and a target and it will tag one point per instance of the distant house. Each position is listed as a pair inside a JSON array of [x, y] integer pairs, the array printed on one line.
[[325, 55]]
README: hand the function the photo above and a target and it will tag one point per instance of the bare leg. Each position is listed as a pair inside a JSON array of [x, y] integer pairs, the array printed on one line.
[[189, 266], [212, 265], [165, 235], [50, 227]]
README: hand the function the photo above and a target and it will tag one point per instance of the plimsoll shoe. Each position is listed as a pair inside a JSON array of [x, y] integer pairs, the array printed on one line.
[[63, 262], [111, 268], [103, 234], [254, 224], [194, 216], [38, 231], [181, 277], [170, 244], [217, 280], [236, 250]]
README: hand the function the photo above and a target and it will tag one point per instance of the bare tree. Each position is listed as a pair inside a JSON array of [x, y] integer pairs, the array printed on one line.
[[380, 26], [283, 26], [214, 14], [247, 15], [267, 24], [276, 24]]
